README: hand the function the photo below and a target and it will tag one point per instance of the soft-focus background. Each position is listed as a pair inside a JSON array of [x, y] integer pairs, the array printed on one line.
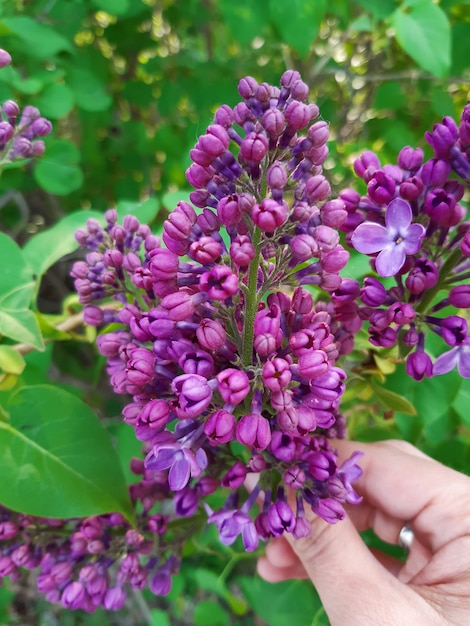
[[128, 85]]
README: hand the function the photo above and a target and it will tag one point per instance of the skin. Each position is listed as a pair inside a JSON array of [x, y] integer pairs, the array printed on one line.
[[359, 587]]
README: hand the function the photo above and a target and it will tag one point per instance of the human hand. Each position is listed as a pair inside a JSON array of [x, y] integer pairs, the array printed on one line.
[[361, 587]]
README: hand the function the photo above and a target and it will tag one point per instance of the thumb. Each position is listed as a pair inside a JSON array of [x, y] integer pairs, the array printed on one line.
[[354, 587]]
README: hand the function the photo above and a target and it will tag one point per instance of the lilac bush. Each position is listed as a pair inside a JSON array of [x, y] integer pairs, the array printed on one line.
[[229, 335]]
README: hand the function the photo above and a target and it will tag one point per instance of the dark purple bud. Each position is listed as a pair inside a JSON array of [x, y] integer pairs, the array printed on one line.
[[220, 427], [411, 188], [333, 262], [302, 301], [178, 306], [276, 176], [205, 250], [235, 477], [298, 115], [373, 292], [313, 364], [443, 137], [5, 58], [366, 165], [419, 365], [211, 334], [322, 465], [281, 518], [41, 127], [242, 251], [247, 87], [334, 213], [465, 244], [163, 264], [442, 208], [327, 238], [194, 395], [11, 110], [265, 344], [140, 368], [401, 313], [224, 116], [6, 132], [410, 159], [317, 188], [211, 145], [197, 175], [8, 530], [229, 211], [160, 583], [219, 283], [93, 315], [282, 446], [269, 215], [254, 147], [381, 188], [460, 296], [254, 430], [185, 502], [154, 414], [385, 338], [74, 596], [318, 133], [435, 172], [114, 599], [276, 374], [454, 330], [329, 510], [274, 122], [233, 385]]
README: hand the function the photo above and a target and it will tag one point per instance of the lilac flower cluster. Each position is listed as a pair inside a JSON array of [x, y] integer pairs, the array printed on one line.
[[218, 341], [20, 139], [227, 333], [93, 562], [413, 223]]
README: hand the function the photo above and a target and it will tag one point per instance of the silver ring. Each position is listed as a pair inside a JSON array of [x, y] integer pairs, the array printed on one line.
[[405, 537]]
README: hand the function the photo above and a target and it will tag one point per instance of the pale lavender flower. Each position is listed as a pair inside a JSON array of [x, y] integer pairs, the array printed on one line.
[[393, 241], [458, 356]]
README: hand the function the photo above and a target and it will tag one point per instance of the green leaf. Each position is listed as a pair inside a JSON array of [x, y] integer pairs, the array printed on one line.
[[292, 602], [90, 92], [159, 617], [144, 211], [57, 172], [389, 96], [362, 24], [16, 277], [113, 7], [298, 21], [210, 613], [11, 360], [460, 47], [56, 101], [461, 403], [57, 460], [380, 9], [42, 41], [21, 325], [16, 291], [47, 247], [423, 31], [244, 18], [392, 400]]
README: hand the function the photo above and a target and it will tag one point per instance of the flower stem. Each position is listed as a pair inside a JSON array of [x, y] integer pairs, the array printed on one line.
[[251, 303]]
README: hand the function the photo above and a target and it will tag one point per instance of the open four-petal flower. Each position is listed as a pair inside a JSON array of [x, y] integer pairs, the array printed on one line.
[[393, 241]]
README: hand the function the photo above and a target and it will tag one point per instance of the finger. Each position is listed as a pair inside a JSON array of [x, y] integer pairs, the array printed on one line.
[[406, 485], [274, 574], [350, 581]]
